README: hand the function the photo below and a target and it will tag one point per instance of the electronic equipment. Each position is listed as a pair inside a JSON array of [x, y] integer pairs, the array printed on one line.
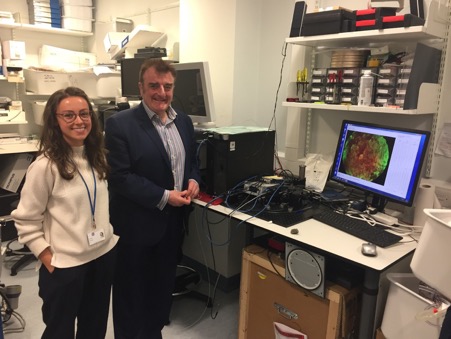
[[305, 268], [192, 91], [380, 160], [358, 228], [234, 158], [300, 7], [130, 77], [369, 249]]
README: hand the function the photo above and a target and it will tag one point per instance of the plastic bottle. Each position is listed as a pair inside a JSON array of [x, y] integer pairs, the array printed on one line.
[[366, 89]]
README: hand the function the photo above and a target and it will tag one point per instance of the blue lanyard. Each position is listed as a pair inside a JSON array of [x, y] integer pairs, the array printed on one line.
[[91, 204]]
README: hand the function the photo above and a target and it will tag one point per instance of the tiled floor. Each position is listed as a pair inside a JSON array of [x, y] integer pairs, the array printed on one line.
[[190, 318]]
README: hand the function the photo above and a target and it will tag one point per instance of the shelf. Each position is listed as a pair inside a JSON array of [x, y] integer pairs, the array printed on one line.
[[44, 29], [31, 146], [427, 104], [434, 28], [354, 108], [21, 122], [142, 36], [13, 117]]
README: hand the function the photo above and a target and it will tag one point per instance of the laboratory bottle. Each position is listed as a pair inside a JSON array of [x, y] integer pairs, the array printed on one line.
[[366, 89]]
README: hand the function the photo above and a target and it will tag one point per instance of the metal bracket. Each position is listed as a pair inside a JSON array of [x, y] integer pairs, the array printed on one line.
[[285, 312]]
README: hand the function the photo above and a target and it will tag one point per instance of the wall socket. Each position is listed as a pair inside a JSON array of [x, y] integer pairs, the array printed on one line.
[[444, 196]]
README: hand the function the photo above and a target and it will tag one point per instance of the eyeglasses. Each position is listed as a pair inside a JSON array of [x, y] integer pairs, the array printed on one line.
[[70, 116]]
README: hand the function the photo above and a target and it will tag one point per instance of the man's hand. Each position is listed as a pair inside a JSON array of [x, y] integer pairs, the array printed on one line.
[[177, 198], [193, 189]]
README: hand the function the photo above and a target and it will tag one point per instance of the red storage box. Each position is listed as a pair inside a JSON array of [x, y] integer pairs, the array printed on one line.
[[405, 20]]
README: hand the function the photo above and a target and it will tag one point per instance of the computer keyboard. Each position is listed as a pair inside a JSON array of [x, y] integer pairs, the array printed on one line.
[[358, 228], [285, 219]]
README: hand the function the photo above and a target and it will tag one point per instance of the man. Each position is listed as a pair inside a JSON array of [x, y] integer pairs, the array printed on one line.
[[154, 176]]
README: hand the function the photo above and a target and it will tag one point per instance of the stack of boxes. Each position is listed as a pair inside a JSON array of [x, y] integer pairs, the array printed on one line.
[[319, 81], [386, 85], [77, 15], [45, 13]]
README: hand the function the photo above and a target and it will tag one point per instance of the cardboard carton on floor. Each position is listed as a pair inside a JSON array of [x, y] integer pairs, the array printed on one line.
[[266, 297]]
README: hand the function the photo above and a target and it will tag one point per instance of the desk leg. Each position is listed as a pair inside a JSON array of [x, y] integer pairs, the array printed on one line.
[[369, 300]]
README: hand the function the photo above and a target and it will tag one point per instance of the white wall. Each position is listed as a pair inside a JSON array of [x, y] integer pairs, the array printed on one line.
[[242, 40]]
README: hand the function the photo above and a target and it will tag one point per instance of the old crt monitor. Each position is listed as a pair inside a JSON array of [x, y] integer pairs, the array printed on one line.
[[192, 91], [380, 160]]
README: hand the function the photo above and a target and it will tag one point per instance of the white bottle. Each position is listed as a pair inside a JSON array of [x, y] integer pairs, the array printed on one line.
[[366, 89]]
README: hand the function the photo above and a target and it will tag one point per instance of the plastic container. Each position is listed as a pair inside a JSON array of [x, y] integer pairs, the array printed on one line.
[[430, 263], [402, 308], [38, 111], [366, 89]]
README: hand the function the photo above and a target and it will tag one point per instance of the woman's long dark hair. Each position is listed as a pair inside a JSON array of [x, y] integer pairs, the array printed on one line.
[[55, 147]]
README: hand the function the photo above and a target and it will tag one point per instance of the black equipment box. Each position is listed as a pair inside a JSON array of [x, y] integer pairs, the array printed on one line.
[[233, 158], [328, 22], [373, 13], [405, 20]]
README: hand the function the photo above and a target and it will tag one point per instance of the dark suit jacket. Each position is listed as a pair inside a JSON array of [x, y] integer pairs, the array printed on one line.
[[141, 171]]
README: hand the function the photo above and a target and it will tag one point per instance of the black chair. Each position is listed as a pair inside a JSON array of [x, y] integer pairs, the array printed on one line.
[[9, 234], [187, 279]]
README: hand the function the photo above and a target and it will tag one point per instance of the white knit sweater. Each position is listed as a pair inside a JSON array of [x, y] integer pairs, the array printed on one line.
[[56, 212]]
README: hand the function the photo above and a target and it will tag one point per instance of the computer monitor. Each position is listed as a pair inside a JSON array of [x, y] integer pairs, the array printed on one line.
[[380, 160], [130, 77], [192, 91]]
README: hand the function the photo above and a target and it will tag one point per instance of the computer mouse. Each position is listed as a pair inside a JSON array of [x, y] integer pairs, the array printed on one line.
[[369, 249]]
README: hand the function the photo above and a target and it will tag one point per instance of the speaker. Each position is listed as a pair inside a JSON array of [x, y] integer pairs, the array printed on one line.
[[305, 269], [300, 7]]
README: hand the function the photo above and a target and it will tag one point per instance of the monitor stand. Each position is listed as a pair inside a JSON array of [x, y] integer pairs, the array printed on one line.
[[379, 203]]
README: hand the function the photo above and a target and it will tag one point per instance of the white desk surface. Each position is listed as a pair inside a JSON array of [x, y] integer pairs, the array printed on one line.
[[329, 239]]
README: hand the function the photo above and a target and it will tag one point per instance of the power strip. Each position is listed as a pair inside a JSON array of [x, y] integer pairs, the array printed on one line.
[[385, 219]]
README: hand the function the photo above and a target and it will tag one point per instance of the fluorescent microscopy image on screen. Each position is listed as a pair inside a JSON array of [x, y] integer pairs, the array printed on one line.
[[366, 156]]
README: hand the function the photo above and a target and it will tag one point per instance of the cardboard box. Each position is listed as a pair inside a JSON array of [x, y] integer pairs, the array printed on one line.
[[266, 297], [76, 2], [14, 168], [47, 82], [64, 59], [14, 50], [81, 12], [76, 24]]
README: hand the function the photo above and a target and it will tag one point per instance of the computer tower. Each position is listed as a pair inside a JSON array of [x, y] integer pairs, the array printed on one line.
[[235, 157]]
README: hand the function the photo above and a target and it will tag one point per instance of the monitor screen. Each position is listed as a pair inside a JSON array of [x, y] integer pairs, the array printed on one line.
[[130, 77], [380, 160], [192, 91]]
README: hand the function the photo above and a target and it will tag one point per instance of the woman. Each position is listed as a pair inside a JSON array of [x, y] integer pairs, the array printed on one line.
[[63, 218]]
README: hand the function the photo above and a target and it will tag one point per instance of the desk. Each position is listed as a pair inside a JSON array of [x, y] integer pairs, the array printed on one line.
[[342, 245]]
